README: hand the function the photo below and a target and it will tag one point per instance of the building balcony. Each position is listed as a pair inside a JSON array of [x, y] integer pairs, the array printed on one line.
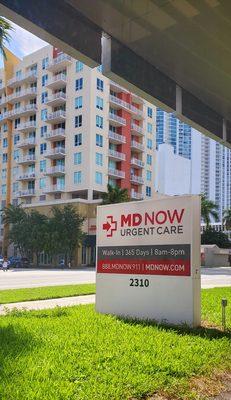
[[118, 103], [56, 117], [29, 159], [116, 138], [29, 176], [137, 146], [23, 111], [28, 77], [3, 100], [58, 63], [116, 120], [4, 116], [57, 82], [22, 95], [56, 153], [136, 195], [55, 134], [57, 170], [116, 155], [2, 89], [55, 189], [137, 99], [116, 173], [56, 99], [26, 193], [27, 126], [136, 129], [27, 143], [138, 180], [136, 112], [137, 163], [117, 88]]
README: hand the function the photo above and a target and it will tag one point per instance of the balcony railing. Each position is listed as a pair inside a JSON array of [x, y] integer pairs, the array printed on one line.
[[137, 179], [116, 137], [55, 151], [137, 128], [137, 162], [117, 119], [22, 77], [27, 176], [116, 173], [55, 134], [26, 159], [26, 125], [56, 115], [57, 169], [55, 189], [26, 193], [57, 78], [23, 110], [137, 145], [62, 57], [117, 154], [136, 110], [124, 104], [136, 195], [22, 93], [27, 142], [56, 96]]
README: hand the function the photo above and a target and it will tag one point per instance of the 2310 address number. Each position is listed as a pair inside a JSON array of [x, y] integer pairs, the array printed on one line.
[[139, 282]]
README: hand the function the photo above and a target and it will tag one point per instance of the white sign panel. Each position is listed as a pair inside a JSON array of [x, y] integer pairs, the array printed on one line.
[[148, 260]]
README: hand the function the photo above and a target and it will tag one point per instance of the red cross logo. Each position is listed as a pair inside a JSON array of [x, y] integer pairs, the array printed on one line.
[[110, 226]]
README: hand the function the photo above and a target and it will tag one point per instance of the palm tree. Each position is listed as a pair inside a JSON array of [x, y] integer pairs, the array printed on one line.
[[227, 219], [115, 195], [208, 210], [5, 28]]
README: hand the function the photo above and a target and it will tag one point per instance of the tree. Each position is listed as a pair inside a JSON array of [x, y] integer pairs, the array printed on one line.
[[208, 210], [38, 233], [227, 219], [115, 195], [210, 236], [5, 28], [66, 233]]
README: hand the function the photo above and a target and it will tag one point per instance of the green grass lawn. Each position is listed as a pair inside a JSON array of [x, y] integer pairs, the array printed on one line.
[[76, 354], [47, 292]]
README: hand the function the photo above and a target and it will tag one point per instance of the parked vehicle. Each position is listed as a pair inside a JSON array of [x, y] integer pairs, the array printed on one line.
[[19, 262]]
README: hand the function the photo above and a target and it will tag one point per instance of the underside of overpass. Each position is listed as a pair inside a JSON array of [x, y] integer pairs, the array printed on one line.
[[174, 53]]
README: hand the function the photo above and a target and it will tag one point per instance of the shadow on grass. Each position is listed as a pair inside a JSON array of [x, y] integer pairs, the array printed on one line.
[[203, 332], [13, 343]]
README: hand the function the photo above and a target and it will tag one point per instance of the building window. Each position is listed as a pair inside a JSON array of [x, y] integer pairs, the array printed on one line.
[[4, 173], [4, 189], [16, 139], [78, 177], [148, 175], [99, 159], [43, 165], [78, 121], [4, 158], [44, 114], [15, 187], [99, 122], [148, 191], [149, 112], [43, 147], [43, 130], [15, 171], [44, 97], [100, 68], [78, 139], [98, 178], [5, 142], [149, 159], [79, 84], [99, 140], [78, 66], [16, 154], [19, 74], [5, 128], [79, 102], [149, 127], [99, 103], [149, 144], [17, 122], [45, 63], [77, 158], [44, 80], [42, 183], [99, 84]]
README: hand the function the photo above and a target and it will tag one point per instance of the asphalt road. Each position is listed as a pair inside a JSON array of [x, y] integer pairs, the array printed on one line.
[[28, 278]]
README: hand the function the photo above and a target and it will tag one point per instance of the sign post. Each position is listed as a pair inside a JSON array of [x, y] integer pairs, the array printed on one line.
[[148, 260]]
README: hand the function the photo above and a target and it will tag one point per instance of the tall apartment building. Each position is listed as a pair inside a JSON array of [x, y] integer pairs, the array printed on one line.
[[67, 131], [174, 132]]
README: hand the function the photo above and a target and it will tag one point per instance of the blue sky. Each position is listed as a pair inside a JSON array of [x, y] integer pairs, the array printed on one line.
[[23, 42]]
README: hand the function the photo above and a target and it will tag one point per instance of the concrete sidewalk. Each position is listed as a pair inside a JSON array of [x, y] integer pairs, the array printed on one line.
[[50, 303]]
